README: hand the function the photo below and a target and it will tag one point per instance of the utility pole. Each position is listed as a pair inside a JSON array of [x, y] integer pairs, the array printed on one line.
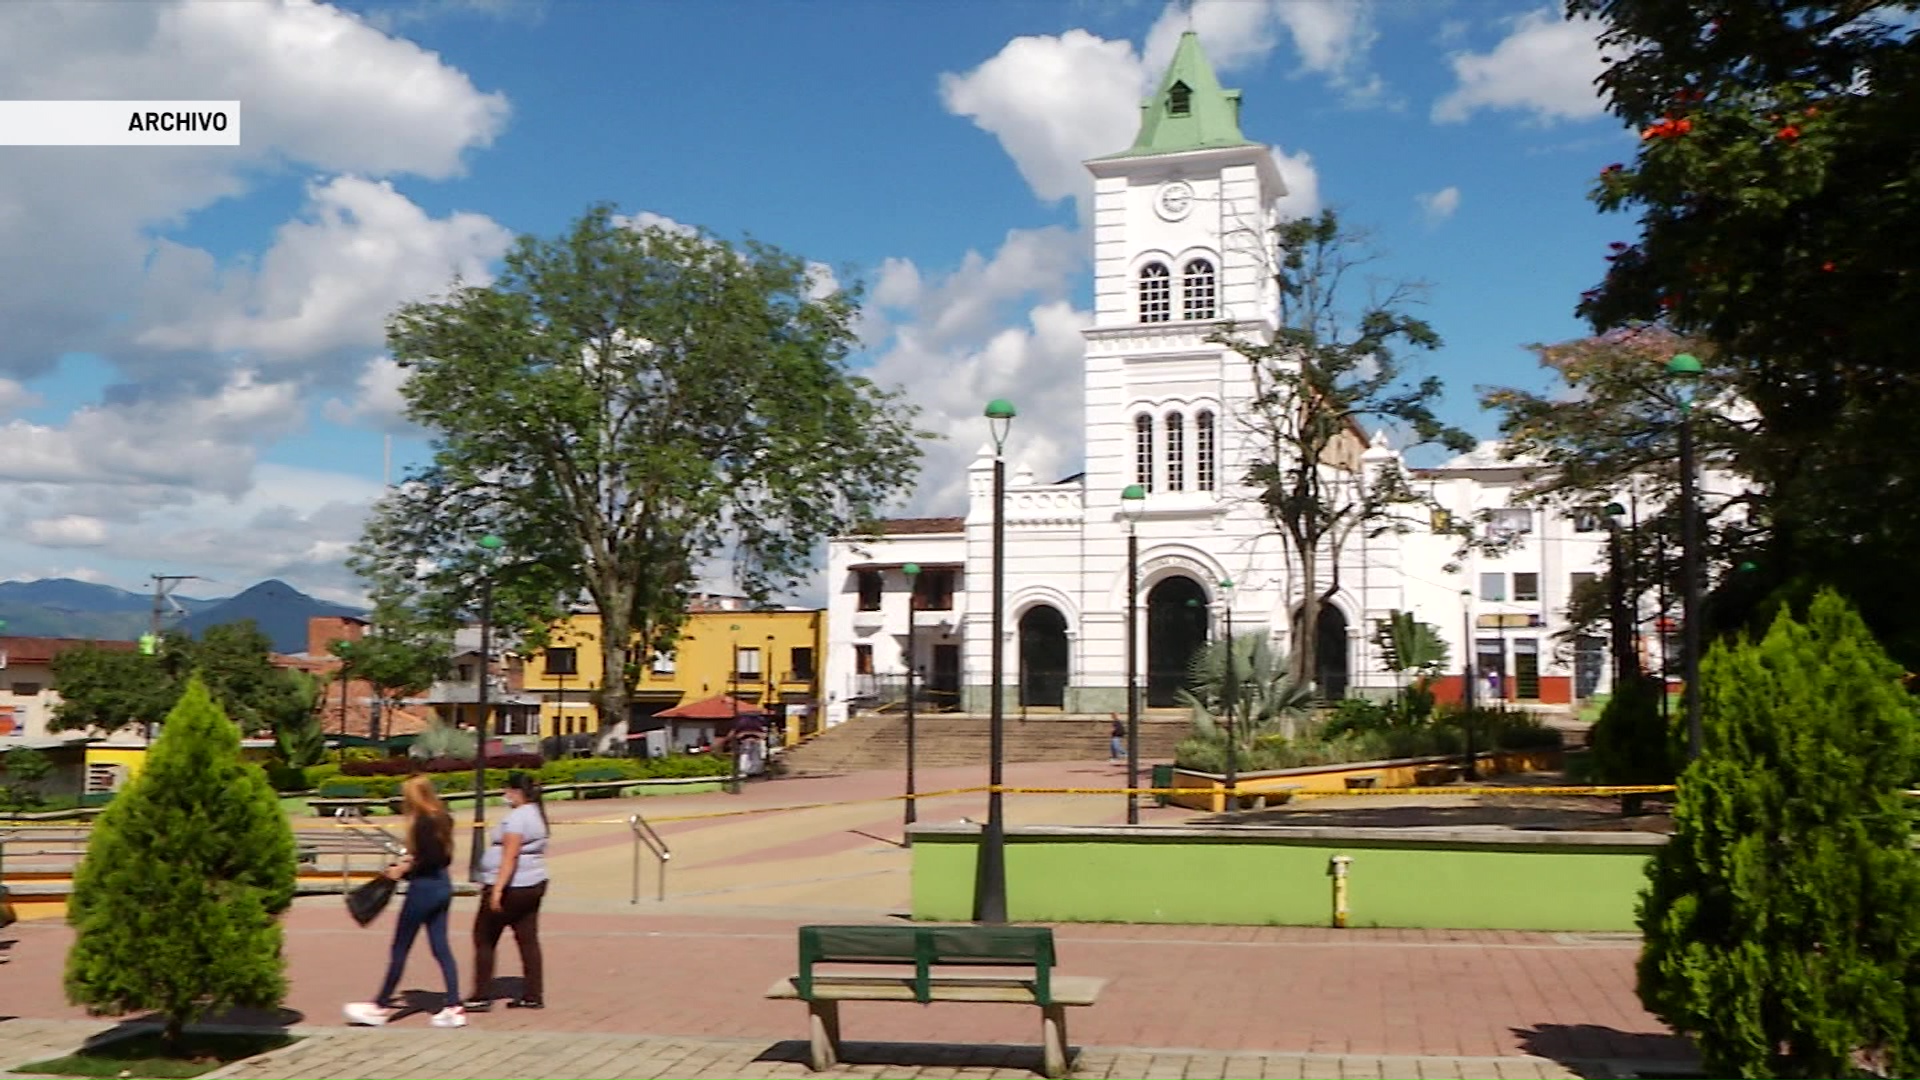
[[163, 586]]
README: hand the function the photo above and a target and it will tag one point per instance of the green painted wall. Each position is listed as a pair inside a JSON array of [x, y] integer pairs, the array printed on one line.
[[1174, 880]]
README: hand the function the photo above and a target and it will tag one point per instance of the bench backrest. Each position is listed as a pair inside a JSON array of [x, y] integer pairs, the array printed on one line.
[[928, 946], [590, 776], [336, 789]]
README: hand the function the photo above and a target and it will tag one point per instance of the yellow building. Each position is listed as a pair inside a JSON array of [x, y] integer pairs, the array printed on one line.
[[766, 658]]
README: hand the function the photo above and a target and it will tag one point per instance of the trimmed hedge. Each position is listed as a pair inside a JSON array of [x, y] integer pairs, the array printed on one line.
[[459, 776]]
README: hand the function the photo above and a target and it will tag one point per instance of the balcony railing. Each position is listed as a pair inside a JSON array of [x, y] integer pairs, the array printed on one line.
[[803, 677]]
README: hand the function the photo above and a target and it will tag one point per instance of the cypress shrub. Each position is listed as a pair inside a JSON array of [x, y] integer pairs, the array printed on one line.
[[176, 906], [1631, 742], [1782, 921]]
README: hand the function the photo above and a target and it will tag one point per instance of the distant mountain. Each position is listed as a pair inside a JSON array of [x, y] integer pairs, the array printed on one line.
[[62, 607], [277, 608]]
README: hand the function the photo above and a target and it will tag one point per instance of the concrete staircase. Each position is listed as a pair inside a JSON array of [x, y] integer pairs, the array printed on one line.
[[879, 741]]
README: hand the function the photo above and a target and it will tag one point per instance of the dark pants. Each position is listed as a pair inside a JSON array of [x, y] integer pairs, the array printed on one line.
[[429, 901], [520, 909]]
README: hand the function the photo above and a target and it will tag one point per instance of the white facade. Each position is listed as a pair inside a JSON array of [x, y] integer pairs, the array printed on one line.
[[1165, 409]]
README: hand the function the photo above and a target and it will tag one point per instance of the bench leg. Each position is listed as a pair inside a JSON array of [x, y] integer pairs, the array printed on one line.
[[823, 1034], [1053, 1040]]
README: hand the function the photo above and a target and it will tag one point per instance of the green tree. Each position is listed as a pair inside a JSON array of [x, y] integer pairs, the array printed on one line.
[[1779, 219], [108, 689], [297, 733], [1333, 366], [1632, 742], [400, 656], [176, 906], [621, 406], [24, 769], [1782, 920]]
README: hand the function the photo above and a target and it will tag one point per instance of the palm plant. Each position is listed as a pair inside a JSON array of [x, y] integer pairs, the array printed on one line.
[[1266, 699]]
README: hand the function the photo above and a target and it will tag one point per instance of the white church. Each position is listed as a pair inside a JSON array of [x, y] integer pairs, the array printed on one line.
[[1181, 223]]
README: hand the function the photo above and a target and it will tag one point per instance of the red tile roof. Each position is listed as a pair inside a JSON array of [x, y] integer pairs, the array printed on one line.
[[41, 650]]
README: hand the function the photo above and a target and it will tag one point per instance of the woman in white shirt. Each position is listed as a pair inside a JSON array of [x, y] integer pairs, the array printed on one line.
[[513, 880]]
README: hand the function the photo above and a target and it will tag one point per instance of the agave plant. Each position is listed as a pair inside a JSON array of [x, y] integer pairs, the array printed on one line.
[[443, 740], [1266, 700]]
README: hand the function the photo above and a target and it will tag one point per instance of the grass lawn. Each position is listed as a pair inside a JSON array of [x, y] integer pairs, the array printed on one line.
[[145, 1055]]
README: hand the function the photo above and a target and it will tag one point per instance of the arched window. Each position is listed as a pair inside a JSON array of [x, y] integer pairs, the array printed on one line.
[[1176, 453], [1203, 451], [1197, 290], [1143, 451], [1156, 293]]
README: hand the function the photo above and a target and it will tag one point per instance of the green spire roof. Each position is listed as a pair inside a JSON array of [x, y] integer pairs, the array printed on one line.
[[1190, 111]]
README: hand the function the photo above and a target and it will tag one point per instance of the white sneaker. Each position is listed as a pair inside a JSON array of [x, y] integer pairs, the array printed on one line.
[[451, 1016], [366, 1013]]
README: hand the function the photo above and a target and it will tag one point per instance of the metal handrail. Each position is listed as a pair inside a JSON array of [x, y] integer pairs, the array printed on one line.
[[643, 833], [355, 819]]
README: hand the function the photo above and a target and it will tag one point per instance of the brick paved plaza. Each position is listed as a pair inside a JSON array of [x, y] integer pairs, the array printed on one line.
[[675, 990]]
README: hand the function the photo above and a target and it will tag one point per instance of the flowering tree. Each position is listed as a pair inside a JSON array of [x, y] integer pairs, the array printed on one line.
[[1780, 222]]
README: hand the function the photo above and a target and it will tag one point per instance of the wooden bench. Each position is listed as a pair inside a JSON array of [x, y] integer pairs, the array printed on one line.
[[1365, 780], [601, 783], [925, 948]]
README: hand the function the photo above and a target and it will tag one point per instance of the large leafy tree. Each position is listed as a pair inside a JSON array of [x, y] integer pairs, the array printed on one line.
[[108, 689], [176, 906], [1608, 431], [1782, 920], [623, 406], [1779, 220], [1333, 367]]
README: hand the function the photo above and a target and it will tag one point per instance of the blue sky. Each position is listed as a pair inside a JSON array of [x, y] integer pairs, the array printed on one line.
[[193, 380]]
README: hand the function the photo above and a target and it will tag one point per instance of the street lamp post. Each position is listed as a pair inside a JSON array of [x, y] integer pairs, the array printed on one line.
[[1685, 369], [1133, 500], [911, 813], [489, 545], [733, 695], [1232, 693], [1623, 665], [1469, 764], [990, 881]]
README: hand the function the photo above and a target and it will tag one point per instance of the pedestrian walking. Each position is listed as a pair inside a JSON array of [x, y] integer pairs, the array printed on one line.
[[428, 904], [1116, 739], [513, 881]]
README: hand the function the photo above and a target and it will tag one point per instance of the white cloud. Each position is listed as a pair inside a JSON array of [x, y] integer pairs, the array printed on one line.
[[67, 530], [1053, 102], [1330, 38], [1545, 66], [201, 443], [1439, 205], [647, 219], [321, 89], [1303, 184], [377, 401], [15, 397], [358, 250]]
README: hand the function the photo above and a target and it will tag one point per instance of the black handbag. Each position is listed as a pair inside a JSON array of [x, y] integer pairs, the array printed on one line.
[[366, 901]]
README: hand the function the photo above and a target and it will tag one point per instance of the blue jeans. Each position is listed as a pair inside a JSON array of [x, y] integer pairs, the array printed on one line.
[[429, 902], [1117, 748]]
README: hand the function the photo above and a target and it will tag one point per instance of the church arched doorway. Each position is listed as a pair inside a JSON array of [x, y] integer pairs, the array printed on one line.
[[1043, 657], [1330, 653], [1176, 629]]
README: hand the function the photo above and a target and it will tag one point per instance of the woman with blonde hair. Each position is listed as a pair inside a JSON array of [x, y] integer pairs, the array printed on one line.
[[429, 902]]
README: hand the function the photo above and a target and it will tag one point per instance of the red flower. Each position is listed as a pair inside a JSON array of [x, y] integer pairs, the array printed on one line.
[[1788, 133], [1828, 266], [1613, 168], [1666, 303], [1682, 126], [1616, 246]]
